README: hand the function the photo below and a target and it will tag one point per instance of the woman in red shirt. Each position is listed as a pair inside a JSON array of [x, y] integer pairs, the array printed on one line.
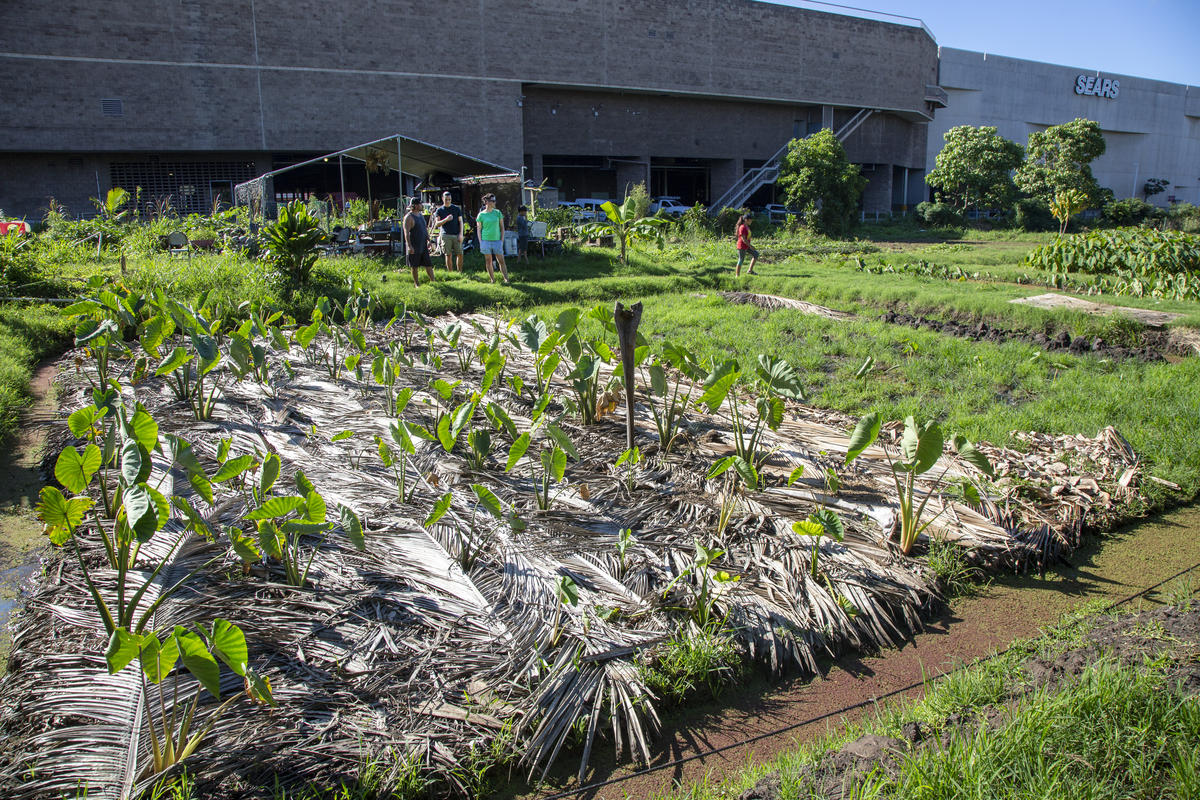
[[744, 246]]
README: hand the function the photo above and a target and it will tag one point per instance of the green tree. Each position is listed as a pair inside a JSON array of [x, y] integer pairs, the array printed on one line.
[[974, 169], [1058, 159], [818, 179]]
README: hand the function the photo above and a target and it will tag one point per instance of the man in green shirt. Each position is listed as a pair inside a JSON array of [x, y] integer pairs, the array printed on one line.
[[490, 224]]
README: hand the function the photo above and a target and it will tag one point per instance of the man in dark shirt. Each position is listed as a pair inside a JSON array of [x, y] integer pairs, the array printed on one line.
[[416, 242], [447, 220]]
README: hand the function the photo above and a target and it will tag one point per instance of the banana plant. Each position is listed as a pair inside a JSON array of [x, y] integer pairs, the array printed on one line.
[[920, 448], [625, 225], [178, 734]]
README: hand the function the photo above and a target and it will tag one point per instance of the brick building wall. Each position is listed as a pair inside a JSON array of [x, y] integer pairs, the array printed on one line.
[[716, 80]]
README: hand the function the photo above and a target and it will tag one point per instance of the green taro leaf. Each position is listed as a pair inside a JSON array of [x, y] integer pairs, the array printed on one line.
[[562, 440], [567, 591], [141, 511], [180, 451], [830, 522], [558, 464], [519, 446], [135, 462], [808, 527], [353, 528], [277, 507], [205, 346], [195, 520], [402, 398], [658, 380], [746, 471], [488, 500], [770, 410], [270, 540], [719, 467], [174, 360], [83, 420], [718, 384], [158, 659], [439, 509], [567, 321], [202, 486], [75, 471], [865, 433], [462, 416], [243, 545], [500, 419], [315, 507], [270, 473], [233, 468], [967, 452], [198, 660], [781, 378], [797, 473], [123, 647], [229, 644], [921, 444], [443, 434], [304, 486]]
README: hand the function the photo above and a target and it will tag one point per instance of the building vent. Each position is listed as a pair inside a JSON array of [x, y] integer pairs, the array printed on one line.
[[112, 107]]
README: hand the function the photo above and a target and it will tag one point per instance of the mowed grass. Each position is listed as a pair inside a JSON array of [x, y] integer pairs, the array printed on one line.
[[1114, 731], [27, 335]]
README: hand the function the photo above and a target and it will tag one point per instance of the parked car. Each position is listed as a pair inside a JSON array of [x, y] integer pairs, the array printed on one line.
[[778, 212], [669, 206]]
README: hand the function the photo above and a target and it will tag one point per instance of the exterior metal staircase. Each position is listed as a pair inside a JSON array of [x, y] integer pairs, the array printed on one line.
[[758, 177]]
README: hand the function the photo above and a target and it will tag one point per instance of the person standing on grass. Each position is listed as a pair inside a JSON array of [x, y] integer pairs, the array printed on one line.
[[744, 246], [416, 242], [447, 220], [523, 232], [491, 236]]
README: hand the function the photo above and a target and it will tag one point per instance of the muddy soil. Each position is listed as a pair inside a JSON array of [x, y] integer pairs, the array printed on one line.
[[22, 476], [1152, 345], [1170, 634], [1011, 607]]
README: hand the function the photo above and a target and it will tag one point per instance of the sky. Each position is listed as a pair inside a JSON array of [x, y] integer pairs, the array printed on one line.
[[1143, 38]]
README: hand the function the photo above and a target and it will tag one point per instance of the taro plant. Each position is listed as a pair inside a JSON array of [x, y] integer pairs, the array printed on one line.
[[137, 508], [920, 448], [549, 468], [774, 379], [100, 323], [398, 462], [823, 523], [629, 459], [191, 371], [178, 733], [707, 583], [669, 402]]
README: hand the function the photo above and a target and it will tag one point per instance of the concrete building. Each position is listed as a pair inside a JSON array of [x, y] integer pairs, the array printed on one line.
[[1151, 128], [187, 97]]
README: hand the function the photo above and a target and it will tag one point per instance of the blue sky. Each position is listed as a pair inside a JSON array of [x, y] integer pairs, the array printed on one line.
[[1145, 38]]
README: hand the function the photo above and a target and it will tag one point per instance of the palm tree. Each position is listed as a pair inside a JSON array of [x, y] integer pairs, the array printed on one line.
[[625, 225]]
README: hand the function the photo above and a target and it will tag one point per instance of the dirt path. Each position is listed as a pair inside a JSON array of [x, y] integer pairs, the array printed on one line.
[[1013, 607], [20, 481]]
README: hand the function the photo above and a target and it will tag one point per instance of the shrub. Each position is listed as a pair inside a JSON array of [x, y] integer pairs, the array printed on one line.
[[1133, 261], [1033, 215], [939, 215], [1131, 211], [291, 243], [696, 222], [641, 199], [555, 217], [1184, 217], [727, 219]]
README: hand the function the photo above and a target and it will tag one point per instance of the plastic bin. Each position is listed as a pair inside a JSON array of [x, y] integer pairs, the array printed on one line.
[[510, 243]]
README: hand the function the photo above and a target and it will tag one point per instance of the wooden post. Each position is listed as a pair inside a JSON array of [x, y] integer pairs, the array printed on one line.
[[627, 320]]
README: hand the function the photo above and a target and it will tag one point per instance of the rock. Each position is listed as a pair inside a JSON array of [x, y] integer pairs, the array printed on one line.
[[769, 787], [914, 732], [873, 747], [1063, 340]]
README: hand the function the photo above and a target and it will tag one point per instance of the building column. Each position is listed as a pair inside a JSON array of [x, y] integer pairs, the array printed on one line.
[[723, 174], [826, 118], [630, 172], [877, 197]]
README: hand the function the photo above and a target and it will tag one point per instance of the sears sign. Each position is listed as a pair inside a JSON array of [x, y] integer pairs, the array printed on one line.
[[1097, 86]]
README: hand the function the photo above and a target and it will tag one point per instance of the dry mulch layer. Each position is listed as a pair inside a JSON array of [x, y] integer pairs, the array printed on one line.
[[1170, 633]]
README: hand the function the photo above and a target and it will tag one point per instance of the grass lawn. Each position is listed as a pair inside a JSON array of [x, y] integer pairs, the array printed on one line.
[[1120, 726]]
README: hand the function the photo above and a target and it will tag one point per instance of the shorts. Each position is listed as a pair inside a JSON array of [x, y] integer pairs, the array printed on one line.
[[451, 244], [742, 254], [419, 259], [491, 248], [522, 244]]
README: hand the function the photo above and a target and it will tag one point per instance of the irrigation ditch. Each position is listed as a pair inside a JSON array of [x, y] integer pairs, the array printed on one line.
[[434, 543]]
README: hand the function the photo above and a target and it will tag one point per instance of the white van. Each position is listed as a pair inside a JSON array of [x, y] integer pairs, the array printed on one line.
[[591, 208]]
